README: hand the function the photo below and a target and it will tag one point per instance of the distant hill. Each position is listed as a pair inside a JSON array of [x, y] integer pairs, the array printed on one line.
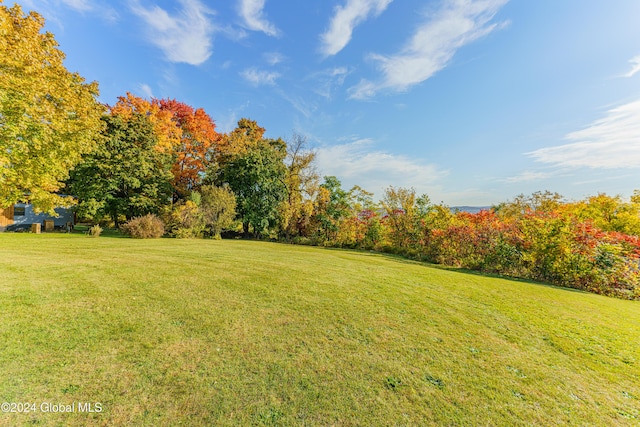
[[470, 209]]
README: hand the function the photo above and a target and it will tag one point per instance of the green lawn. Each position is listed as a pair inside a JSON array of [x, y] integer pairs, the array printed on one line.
[[176, 332]]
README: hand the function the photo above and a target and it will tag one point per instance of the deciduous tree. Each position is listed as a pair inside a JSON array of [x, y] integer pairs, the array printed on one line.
[[246, 134], [126, 175], [253, 167], [168, 133], [257, 180], [218, 206], [331, 207], [405, 213], [49, 116], [197, 147], [301, 184]]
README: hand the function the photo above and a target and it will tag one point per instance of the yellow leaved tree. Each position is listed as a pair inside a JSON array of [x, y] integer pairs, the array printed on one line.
[[49, 116]]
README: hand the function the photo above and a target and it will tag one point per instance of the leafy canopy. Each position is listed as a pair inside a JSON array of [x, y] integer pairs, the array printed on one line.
[[256, 175], [188, 133], [126, 175], [48, 115], [197, 147]]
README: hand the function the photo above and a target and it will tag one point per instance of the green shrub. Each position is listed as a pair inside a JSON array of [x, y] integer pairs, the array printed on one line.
[[218, 207], [374, 233], [144, 227], [186, 221]]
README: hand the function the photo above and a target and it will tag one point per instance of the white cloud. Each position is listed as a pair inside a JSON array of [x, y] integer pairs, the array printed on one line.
[[273, 58], [52, 9], [433, 45], [251, 13], [528, 176], [608, 143], [359, 163], [345, 19], [81, 5], [327, 81], [146, 91], [635, 66], [260, 77], [183, 37]]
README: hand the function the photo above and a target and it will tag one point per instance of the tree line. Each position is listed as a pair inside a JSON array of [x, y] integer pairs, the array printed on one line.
[[161, 157]]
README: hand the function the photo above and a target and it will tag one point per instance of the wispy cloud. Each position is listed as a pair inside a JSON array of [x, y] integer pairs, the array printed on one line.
[[228, 121], [327, 81], [52, 9], [302, 104], [345, 19], [433, 45], [251, 12], [260, 77], [608, 143], [635, 66], [273, 58], [528, 176], [81, 5], [358, 162], [146, 90], [182, 37]]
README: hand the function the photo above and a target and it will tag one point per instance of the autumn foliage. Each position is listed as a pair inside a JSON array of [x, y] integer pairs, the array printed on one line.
[[553, 242], [49, 116], [188, 133], [198, 143], [166, 131]]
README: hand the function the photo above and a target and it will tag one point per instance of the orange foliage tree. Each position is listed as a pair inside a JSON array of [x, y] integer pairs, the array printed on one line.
[[198, 144], [168, 134], [188, 133]]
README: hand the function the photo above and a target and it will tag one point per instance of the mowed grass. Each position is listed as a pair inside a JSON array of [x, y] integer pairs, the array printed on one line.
[[177, 332]]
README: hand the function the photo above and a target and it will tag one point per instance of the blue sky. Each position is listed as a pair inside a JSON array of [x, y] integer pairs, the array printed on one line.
[[470, 102]]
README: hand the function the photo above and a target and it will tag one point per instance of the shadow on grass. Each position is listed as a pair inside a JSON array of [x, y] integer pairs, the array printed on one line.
[[114, 233], [106, 232], [404, 260]]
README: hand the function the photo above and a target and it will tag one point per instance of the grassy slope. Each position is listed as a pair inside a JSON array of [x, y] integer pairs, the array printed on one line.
[[171, 332]]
